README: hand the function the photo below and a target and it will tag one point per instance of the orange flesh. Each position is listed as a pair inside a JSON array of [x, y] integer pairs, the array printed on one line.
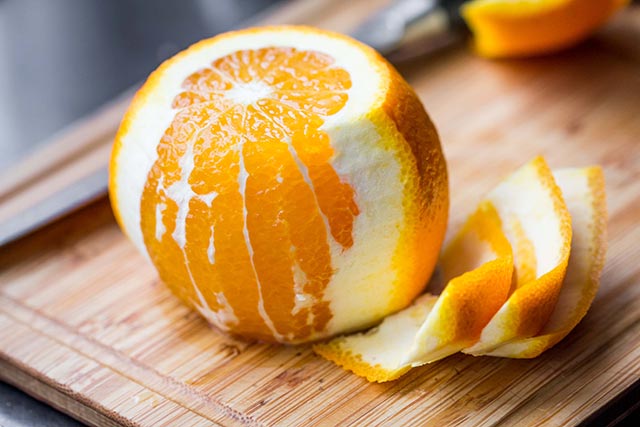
[[246, 192]]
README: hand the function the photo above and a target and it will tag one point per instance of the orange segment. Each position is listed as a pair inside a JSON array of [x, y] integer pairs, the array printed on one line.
[[284, 181], [584, 193], [478, 263], [536, 221], [312, 152], [508, 28]]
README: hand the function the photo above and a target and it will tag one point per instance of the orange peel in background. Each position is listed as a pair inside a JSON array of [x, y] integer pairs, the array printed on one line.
[[518, 28], [540, 311]]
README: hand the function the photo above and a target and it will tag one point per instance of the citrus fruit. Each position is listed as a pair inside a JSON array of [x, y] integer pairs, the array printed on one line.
[[509, 28], [478, 266], [284, 181], [584, 192], [536, 222]]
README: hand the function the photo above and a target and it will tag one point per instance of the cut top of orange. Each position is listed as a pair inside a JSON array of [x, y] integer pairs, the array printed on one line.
[[271, 173], [508, 28]]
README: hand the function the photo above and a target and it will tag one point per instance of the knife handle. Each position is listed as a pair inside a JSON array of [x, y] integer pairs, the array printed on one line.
[[409, 28]]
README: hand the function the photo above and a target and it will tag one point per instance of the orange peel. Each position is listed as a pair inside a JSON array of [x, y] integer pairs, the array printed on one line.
[[504, 272], [435, 327], [584, 192], [508, 28], [537, 223], [477, 266]]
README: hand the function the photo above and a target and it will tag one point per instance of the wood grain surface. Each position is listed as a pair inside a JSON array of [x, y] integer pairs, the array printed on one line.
[[86, 326]]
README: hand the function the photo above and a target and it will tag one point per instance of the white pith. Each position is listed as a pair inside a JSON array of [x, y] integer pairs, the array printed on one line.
[[579, 197], [535, 212], [248, 93], [387, 344]]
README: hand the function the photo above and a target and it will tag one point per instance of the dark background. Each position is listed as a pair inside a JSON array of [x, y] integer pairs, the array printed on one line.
[[62, 59]]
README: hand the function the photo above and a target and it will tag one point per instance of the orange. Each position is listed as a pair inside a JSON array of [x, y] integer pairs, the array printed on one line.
[[511, 28], [284, 181]]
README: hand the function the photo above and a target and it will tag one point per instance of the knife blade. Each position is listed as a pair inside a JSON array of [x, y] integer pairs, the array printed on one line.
[[68, 199]]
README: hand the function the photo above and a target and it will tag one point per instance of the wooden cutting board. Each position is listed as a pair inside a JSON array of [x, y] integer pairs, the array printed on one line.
[[86, 326]]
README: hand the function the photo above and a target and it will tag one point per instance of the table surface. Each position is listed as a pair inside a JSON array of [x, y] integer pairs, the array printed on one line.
[[18, 409]]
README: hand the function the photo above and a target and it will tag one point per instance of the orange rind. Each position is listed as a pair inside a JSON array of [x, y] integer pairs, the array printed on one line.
[[508, 28], [477, 267], [584, 192], [538, 226], [479, 264], [520, 275]]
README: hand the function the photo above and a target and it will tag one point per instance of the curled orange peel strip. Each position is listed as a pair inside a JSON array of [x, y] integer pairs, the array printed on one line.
[[498, 302], [537, 223], [435, 327], [584, 192]]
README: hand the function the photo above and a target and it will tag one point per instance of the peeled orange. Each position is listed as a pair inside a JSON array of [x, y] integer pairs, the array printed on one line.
[[286, 182], [511, 28]]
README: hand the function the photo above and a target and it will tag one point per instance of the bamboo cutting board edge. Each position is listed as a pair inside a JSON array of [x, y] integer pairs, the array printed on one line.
[[65, 398], [38, 386]]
